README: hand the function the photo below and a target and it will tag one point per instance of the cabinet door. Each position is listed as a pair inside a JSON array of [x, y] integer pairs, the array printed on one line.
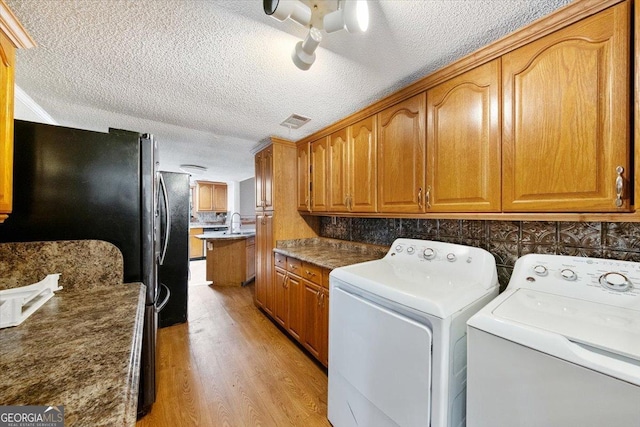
[[296, 308], [259, 161], [337, 171], [281, 297], [251, 258], [264, 262], [319, 175], [312, 339], [463, 143], [220, 197], [303, 177], [205, 196], [566, 118], [7, 64], [324, 333], [196, 246], [362, 166], [401, 156]]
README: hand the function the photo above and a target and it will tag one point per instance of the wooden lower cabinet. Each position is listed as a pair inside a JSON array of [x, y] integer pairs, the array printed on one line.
[[301, 304], [264, 291], [196, 246]]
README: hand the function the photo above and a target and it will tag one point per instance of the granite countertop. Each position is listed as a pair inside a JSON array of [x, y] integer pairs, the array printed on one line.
[[82, 350], [330, 253], [220, 235], [207, 224]]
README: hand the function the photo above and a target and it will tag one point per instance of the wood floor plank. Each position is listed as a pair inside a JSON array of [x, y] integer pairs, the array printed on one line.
[[231, 366]]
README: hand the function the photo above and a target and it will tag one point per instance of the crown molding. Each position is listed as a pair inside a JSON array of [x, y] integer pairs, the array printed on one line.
[[14, 30], [33, 106]]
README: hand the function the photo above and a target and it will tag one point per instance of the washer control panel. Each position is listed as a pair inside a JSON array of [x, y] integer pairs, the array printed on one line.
[[590, 278], [430, 251]]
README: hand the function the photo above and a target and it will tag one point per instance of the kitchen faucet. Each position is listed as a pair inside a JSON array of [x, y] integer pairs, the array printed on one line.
[[231, 220]]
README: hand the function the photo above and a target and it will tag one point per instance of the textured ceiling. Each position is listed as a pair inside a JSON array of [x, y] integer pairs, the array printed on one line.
[[211, 78]]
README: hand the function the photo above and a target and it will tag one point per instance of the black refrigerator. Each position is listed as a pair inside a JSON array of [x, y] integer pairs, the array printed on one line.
[[77, 184]]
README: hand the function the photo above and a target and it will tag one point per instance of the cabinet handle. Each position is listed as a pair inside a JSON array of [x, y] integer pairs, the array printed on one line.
[[322, 299], [293, 267], [420, 197], [619, 186], [310, 273], [350, 202], [318, 297], [428, 197]]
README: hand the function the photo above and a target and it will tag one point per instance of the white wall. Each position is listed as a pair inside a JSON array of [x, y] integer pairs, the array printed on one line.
[[247, 197]]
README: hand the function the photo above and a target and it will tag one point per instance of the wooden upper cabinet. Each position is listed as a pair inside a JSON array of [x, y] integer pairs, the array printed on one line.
[[337, 172], [566, 119], [362, 166], [264, 179], [7, 64], [319, 179], [463, 142], [401, 156], [303, 162], [211, 196]]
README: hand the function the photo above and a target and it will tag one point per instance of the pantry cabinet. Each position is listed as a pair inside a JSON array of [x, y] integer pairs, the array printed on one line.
[[463, 142], [264, 285], [401, 156], [264, 179], [566, 126]]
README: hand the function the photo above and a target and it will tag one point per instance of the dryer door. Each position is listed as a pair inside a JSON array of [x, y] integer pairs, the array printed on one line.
[[379, 365]]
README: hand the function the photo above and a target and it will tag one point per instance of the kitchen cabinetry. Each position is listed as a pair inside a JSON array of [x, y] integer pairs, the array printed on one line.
[[302, 303], [463, 142], [337, 171], [227, 260], [566, 125], [196, 245], [401, 156], [304, 188], [319, 168], [264, 179], [211, 196], [362, 166], [14, 37], [275, 174]]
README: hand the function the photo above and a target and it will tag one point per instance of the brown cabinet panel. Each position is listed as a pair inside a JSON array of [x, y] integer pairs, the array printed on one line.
[[251, 258], [296, 309], [337, 171], [7, 75], [362, 166], [264, 179], [319, 179], [312, 340], [264, 290], [463, 142], [220, 197], [211, 196], [566, 118], [281, 308], [196, 246], [303, 180], [401, 156]]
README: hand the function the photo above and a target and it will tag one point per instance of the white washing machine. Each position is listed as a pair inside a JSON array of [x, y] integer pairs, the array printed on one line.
[[560, 347], [397, 334]]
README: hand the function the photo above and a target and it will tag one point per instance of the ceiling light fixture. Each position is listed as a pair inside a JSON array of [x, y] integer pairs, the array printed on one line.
[[193, 169], [353, 16]]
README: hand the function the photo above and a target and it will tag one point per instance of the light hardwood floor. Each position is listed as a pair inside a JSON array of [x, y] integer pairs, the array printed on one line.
[[231, 366]]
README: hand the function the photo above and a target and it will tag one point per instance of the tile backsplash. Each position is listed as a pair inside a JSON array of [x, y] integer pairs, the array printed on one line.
[[506, 240]]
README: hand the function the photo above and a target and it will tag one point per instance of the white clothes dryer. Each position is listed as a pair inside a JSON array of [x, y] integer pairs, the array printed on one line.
[[559, 348], [397, 334]]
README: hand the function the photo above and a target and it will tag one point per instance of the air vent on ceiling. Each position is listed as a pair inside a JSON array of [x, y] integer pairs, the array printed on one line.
[[295, 121]]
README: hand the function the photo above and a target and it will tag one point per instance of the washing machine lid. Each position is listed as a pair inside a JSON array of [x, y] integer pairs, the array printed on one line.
[[440, 293], [605, 327]]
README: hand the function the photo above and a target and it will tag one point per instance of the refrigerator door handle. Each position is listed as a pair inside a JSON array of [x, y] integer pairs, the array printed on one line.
[[165, 300], [167, 230]]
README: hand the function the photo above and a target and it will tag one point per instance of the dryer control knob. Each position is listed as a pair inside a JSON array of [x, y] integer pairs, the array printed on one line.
[[615, 282], [429, 253], [568, 274], [451, 257], [399, 248], [540, 270], [410, 250]]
